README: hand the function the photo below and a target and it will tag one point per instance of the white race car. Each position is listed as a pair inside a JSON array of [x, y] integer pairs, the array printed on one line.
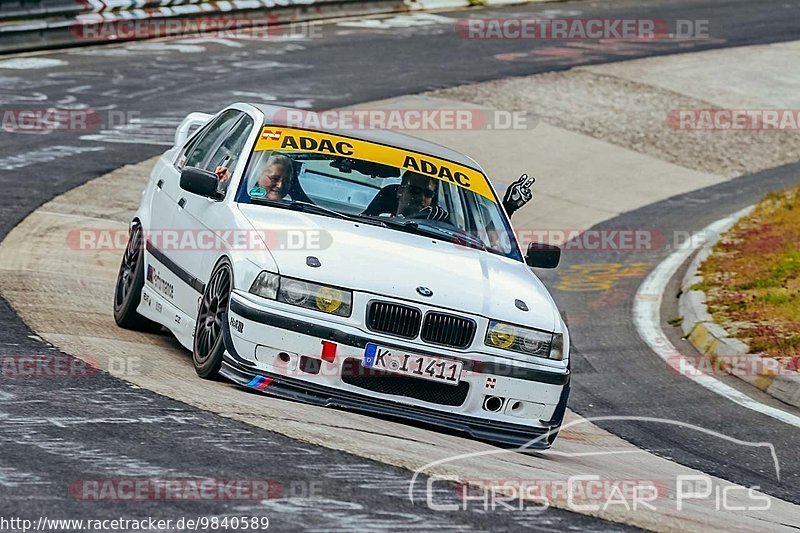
[[365, 270]]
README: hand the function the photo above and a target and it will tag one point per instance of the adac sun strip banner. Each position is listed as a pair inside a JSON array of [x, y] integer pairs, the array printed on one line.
[[297, 140]]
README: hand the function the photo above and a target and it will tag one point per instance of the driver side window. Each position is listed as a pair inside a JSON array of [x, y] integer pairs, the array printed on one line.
[[228, 152], [230, 149], [200, 148]]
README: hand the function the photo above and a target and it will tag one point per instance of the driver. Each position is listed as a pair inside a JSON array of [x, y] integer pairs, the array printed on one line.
[[273, 183], [415, 196]]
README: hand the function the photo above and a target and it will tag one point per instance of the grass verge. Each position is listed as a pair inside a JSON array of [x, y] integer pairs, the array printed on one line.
[[752, 278]]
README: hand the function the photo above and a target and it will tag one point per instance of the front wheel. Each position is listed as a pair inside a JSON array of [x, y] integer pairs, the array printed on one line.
[[130, 281], [209, 344]]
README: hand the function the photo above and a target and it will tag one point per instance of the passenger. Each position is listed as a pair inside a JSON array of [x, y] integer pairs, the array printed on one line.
[[273, 183]]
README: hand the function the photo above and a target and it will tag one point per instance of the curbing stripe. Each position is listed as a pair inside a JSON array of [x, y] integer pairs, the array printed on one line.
[[647, 319], [711, 339]]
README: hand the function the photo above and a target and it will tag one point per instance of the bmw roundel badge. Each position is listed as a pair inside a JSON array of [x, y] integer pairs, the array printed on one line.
[[424, 291]]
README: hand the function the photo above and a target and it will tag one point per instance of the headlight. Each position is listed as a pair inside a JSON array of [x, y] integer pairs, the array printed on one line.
[[301, 293], [501, 336], [524, 340]]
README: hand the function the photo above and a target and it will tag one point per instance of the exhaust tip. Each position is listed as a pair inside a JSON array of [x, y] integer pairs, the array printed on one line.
[[493, 403]]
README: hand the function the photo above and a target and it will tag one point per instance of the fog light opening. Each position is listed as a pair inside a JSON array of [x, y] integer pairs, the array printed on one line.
[[493, 403]]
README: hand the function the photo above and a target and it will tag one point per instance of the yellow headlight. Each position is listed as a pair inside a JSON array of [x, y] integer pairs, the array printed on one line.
[[502, 336], [329, 299]]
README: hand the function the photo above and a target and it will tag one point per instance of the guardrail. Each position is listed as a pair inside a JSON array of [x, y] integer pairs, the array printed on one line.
[[40, 24], [31, 9]]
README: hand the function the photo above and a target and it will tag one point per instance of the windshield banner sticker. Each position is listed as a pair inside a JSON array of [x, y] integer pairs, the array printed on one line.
[[296, 140]]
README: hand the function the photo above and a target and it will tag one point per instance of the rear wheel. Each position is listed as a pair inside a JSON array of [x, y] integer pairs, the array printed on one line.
[[209, 345], [130, 281]]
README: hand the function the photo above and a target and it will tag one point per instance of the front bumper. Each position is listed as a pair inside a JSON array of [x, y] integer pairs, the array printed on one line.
[[280, 354]]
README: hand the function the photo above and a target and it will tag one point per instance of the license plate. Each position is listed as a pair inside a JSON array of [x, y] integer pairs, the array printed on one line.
[[423, 366]]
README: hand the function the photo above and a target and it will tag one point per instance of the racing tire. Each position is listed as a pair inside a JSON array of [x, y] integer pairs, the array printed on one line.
[[130, 281], [209, 343]]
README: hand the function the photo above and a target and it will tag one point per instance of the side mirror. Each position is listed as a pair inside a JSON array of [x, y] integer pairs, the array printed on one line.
[[543, 255], [200, 182]]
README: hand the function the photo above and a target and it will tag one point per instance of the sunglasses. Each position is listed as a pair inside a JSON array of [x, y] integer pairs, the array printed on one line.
[[419, 191]]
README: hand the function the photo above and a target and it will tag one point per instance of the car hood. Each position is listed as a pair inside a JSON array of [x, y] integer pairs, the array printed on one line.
[[394, 263]]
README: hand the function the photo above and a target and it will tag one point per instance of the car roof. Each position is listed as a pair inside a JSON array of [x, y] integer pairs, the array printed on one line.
[[276, 115]]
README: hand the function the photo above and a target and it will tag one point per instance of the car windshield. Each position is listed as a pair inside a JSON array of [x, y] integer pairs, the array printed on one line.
[[337, 176]]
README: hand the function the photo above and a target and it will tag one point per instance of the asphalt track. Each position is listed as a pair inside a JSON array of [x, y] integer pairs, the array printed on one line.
[[48, 438], [617, 375]]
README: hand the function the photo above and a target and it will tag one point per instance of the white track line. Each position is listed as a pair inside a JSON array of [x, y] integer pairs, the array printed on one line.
[[647, 318]]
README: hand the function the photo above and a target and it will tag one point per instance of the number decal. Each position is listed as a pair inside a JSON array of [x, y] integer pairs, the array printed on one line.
[[430, 369], [453, 369]]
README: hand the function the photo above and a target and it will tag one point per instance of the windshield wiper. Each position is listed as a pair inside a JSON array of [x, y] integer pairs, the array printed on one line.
[[413, 226], [305, 207], [457, 237], [470, 240]]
